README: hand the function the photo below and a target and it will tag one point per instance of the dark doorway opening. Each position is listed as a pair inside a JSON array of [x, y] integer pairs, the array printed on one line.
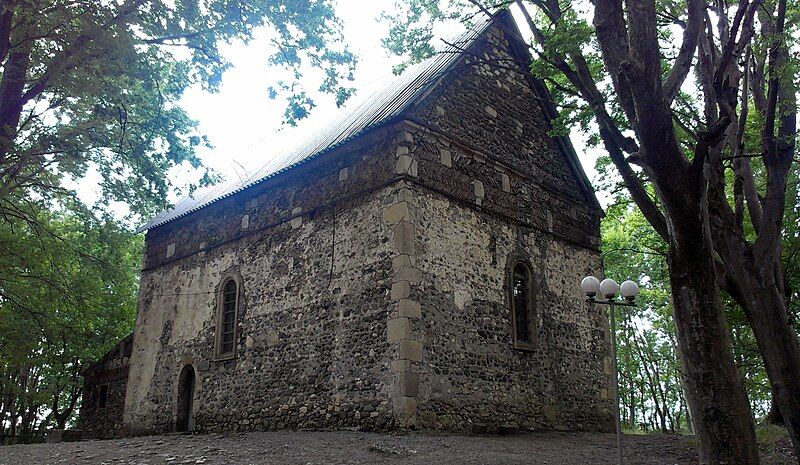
[[185, 399], [102, 396]]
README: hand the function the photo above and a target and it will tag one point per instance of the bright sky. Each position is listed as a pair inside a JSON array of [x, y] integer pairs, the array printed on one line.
[[244, 125]]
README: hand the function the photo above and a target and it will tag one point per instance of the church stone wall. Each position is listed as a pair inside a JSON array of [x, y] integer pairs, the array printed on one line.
[[111, 375], [488, 102], [471, 376], [314, 257], [467, 216], [374, 280], [304, 191], [490, 185]]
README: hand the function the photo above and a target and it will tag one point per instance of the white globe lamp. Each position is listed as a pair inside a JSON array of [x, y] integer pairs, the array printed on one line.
[[608, 288], [629, 290], [590, 286]]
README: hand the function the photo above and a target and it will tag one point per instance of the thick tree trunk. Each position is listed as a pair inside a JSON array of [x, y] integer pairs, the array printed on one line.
[[774, 416], [754, 287], [779, 348], [722, 417], [11, 87]]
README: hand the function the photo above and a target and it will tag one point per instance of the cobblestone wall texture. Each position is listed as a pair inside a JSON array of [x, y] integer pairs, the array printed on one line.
[[309, 346], [471, 376], [374, 280], [109, 373]]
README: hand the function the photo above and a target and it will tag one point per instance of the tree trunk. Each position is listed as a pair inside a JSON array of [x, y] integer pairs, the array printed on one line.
[[754, 287], [716, 396], [633, 408], [778, 345], [774, 416]]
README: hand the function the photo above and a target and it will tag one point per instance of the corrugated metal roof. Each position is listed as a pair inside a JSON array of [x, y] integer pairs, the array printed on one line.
[[356, 118]]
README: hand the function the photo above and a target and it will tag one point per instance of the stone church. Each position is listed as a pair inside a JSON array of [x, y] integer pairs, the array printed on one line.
[[414, 265]]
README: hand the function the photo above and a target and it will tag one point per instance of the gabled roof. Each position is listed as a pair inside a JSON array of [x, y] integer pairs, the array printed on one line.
[[380, 108], [356, 118]]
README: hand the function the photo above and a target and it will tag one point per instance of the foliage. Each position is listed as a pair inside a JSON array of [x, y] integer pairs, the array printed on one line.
[[411, 28], [649, 371], [67, 295], [93, 87], [632, 250], [89, 100], [651, 394], [791, 245]]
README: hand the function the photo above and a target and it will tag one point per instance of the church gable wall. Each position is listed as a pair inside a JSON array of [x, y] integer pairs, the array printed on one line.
[[486, 102], [484, 181], [488, 183], [471, 377], [468, 214]]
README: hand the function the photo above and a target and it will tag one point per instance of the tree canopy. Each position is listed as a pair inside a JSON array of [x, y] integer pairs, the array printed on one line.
[[90, 97], [93, 87], [67, 295]]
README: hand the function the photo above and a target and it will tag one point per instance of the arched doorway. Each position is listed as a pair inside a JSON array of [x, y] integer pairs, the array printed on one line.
[[185, 398]]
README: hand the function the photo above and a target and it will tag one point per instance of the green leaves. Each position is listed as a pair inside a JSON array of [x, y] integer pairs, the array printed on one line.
[[89, 101], [650, 384], [100, 87], [411, 25], [67, 294]]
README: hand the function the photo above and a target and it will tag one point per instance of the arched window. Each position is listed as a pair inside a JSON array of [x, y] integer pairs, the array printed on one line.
[[226, 318], [522, 307]]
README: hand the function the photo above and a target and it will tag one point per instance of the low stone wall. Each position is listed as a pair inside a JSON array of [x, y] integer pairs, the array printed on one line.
[[104, 388]]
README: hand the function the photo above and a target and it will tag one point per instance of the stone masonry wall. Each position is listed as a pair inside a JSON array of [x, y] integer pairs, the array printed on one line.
[[373, 280], [489, 186], [471, 376], [311, 350], [463, 216], [112, 372], [303, 191], [487, 104], [316, 284]]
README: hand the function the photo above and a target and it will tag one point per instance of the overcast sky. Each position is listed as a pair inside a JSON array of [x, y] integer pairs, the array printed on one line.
[[244, 125]]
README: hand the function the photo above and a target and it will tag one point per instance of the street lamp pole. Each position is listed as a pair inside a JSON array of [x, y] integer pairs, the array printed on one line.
[[608, 288]]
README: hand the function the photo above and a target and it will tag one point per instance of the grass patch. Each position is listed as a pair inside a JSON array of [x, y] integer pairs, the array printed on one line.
[[770, 434]]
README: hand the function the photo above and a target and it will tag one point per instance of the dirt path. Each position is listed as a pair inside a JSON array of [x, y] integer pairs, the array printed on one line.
[[343, 447]]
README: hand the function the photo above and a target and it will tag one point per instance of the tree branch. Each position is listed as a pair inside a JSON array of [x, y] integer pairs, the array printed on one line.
[[639, 194], [609, 23], [683, 63]]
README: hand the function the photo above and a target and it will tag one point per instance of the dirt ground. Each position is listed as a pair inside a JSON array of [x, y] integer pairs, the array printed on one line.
[[345, 447]]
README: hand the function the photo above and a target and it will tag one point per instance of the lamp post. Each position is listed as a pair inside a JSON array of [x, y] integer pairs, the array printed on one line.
[[608, 290]]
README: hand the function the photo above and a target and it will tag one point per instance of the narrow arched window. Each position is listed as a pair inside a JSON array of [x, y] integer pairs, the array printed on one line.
[[522, 308], [226, 322]]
